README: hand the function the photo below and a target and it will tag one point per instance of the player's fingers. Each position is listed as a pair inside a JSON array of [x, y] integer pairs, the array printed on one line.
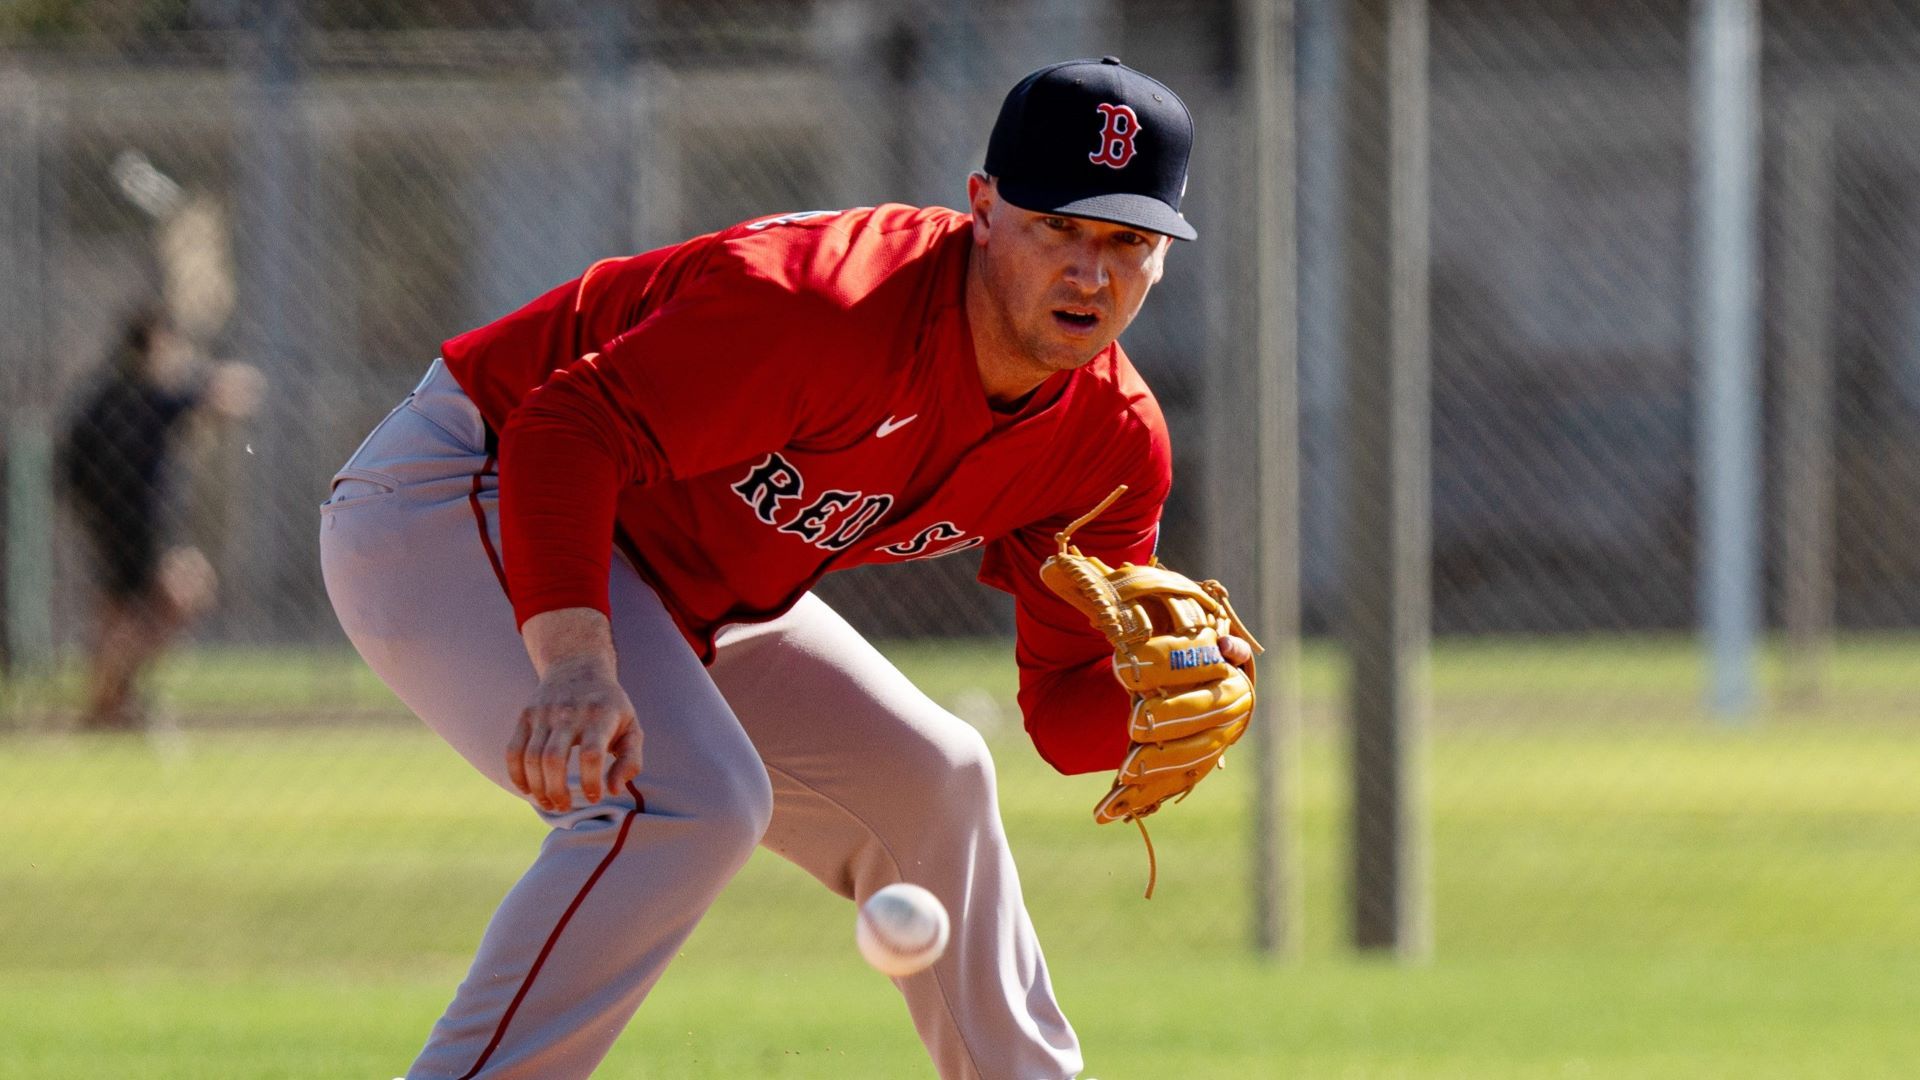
[[593, 768], [535, 757], [1236, 651], [626, 758], [517, 751], [540, 725], [553, 766]]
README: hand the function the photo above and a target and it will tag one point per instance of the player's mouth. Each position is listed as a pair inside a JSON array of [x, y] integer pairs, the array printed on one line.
[[1076, 320]]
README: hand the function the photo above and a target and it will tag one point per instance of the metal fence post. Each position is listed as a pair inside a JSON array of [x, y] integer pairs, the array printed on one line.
[[1806, 387], [1386, 576], [274, 253], [1266, 31], [26, 581], [1726, 94]]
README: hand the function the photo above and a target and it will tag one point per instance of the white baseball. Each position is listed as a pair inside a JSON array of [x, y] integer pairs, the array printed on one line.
[[902, 929]]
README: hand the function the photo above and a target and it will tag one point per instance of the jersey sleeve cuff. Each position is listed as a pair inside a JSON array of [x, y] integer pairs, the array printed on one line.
[[539, 603]]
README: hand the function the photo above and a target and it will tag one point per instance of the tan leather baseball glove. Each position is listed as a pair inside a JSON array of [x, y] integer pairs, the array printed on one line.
[[1189, 703]]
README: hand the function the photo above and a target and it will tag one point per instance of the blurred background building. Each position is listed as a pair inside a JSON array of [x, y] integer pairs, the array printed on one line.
[[386, 173]]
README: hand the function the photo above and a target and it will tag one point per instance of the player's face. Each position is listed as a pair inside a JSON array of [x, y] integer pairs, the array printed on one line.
[[1065, 287]]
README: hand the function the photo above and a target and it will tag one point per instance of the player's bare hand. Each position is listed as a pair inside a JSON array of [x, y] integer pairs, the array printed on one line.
[[1235, 650], [579, 703]]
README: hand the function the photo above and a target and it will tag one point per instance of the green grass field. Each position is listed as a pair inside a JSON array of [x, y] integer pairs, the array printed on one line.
[[1621, 889]]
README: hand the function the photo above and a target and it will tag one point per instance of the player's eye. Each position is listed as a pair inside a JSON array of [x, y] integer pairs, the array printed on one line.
[[1056, 222], [1131, 239]]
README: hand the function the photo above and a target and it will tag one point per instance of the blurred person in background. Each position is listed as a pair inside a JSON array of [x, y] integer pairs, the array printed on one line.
[[115, 461]]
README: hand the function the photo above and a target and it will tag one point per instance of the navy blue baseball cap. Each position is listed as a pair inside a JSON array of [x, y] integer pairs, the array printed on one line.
[[1094, 139]]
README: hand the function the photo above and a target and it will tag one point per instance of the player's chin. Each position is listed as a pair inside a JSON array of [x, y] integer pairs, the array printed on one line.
[[1071, 350], [1069, 358]]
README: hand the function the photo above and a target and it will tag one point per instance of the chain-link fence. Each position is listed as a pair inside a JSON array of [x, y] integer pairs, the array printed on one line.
[[324, 192], [1571, 404]]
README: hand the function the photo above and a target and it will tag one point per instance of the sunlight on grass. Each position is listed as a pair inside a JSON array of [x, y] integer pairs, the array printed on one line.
[[1615, 895]]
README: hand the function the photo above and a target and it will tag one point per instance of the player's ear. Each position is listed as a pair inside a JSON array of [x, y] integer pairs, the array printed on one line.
[[980, 199]]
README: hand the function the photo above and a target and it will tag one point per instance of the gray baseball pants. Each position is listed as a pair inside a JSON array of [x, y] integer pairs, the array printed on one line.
[[800, 737]]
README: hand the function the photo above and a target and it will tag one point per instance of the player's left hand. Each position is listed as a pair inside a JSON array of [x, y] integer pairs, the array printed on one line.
[[1181, 652]]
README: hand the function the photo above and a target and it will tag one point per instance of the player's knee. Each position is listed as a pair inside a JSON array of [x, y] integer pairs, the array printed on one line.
[[755, 809], [738, 808], [960, 766]]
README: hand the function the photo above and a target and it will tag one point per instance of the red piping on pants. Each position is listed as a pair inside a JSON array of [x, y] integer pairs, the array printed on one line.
[[480, 519], [640, 805], [526, 984]]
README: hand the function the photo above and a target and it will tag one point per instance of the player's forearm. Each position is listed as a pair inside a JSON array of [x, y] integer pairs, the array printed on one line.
[[558, 491], [567, 637], [564, 460], [1076, 717]]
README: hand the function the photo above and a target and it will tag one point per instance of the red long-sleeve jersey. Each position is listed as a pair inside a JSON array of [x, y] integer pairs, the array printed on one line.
[[749, 410]]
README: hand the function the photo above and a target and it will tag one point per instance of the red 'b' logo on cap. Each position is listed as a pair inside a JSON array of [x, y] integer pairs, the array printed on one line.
[[1116, 136]]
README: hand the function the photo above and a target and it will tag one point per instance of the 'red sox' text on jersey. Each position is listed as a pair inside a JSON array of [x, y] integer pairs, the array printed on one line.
[[749, 410]]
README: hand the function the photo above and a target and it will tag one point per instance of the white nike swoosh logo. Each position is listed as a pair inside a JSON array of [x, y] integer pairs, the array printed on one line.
[[890, 425]]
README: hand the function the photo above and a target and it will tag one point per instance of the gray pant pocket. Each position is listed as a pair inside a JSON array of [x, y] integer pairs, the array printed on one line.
[[352, 486]]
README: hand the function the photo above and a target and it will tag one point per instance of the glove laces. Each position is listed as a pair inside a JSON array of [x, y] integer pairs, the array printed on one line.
[[1153, 864]]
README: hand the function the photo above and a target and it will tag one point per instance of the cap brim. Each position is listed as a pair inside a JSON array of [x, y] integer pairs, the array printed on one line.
[[1139, 211]]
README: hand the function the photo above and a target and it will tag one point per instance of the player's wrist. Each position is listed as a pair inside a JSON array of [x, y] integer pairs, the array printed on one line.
[[570, 640]]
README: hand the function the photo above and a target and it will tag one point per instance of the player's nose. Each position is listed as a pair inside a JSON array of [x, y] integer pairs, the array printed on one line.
[[1087, 272]]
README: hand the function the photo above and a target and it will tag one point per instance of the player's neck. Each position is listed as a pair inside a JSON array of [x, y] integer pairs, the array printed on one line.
[[1007, 386]]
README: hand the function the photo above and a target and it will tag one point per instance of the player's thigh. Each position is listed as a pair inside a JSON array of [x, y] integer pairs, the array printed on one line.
[[828, 711], [416, 589]]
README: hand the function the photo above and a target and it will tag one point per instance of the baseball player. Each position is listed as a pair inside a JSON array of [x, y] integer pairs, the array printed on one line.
[[582, 548]]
